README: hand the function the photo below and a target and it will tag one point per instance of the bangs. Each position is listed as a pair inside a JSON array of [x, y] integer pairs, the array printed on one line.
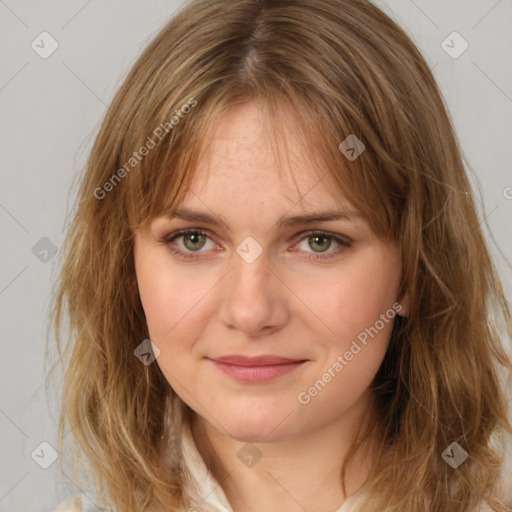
[[167, 174]]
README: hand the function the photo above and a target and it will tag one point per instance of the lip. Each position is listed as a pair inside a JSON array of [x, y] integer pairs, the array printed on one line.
[[263, 360], [256, 368]]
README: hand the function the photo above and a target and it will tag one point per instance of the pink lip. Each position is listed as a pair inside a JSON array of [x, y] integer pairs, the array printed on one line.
[[257, 368]]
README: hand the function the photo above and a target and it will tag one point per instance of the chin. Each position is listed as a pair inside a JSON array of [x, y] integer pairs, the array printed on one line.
[[255, 434], [261, 428]]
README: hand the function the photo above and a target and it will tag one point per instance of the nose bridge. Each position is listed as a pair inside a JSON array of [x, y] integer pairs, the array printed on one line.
[[250, 278], [252, 298]]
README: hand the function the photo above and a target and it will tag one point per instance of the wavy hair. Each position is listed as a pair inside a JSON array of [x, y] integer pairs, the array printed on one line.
[[341, 67]]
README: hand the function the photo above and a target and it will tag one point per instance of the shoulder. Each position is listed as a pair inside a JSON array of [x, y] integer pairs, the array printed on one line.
[[73, 504]]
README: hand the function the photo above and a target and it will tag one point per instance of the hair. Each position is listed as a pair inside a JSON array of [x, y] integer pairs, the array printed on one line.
[[339, 68]]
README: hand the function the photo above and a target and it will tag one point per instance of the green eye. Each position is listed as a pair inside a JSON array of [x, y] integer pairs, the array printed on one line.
[[325, 239], [197, 241], [317, 247]]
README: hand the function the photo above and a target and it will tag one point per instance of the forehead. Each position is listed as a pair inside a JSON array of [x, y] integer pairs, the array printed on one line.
[[245, 156]]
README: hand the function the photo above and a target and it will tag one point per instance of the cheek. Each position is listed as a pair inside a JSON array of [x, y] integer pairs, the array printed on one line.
[[352, 297], [175, 318], [173, 307], [172, 300]]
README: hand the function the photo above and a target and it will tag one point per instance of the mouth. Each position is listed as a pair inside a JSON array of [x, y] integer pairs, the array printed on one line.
[[258, 368]]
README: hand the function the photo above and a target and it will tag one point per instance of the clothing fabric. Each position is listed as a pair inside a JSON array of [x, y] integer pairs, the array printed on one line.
[[205, 493]]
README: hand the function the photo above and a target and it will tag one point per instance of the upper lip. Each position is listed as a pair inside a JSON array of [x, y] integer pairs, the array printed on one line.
[[263, 360]]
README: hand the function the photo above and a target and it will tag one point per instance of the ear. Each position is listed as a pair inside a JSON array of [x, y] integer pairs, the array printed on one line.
[[404, 302]]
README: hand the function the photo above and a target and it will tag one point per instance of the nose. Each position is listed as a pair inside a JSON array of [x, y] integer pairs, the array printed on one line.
[[254, 300]]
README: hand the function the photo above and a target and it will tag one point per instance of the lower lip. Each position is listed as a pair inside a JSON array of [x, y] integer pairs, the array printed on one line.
[[257, 373]]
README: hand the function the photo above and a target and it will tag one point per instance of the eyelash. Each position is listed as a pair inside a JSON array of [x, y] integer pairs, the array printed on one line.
[[169, 239]]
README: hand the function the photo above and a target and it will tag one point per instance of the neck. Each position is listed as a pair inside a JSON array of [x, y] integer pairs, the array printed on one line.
[[290, 472]]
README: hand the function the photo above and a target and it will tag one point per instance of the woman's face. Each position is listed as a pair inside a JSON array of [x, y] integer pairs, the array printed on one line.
[[266, 329]]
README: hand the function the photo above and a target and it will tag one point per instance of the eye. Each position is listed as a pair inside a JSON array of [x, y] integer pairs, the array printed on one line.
[[192, 241], [321, 242]]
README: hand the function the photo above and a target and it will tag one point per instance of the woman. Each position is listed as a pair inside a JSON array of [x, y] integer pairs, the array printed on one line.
[[279, 293]]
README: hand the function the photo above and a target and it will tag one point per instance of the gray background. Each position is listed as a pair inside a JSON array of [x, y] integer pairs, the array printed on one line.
[[50, 111]]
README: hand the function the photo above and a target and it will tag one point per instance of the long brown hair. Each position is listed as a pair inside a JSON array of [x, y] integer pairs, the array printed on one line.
[[343, 67]]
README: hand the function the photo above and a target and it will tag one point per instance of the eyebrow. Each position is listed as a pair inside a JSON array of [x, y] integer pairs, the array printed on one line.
[[285, 221]]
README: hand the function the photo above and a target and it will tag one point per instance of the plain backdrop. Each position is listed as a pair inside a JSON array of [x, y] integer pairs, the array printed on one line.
[[50, 111]]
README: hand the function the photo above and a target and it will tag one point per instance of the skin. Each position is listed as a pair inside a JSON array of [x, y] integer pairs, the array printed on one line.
[[284, 303]]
